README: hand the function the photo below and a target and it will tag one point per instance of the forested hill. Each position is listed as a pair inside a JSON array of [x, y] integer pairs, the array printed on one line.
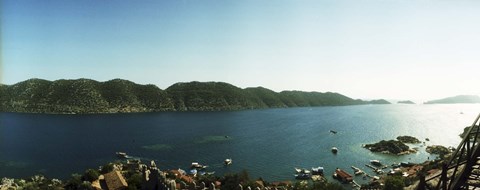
[[90, 96]]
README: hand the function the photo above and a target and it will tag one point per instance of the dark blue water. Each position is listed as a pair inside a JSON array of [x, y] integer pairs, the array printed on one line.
[[267, 143]]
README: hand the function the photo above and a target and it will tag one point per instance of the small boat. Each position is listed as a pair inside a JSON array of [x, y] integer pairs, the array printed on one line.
[[334, 150], [376, 162], [228, 161], [332, 131], [357, 171], [298, 170], [303, 174], [193, 171], [196, 165], [317, 171], [121, 154]]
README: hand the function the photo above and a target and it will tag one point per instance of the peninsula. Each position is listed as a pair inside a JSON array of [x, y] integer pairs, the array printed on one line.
[[123, 96], [466, 99]]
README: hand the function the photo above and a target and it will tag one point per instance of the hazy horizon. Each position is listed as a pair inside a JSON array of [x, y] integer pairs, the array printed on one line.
[[368, 49]]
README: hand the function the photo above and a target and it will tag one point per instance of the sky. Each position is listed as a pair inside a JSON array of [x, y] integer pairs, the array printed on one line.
[[368, 49]]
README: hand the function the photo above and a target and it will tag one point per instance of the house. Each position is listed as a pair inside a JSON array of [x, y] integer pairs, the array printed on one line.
[[115, 181]]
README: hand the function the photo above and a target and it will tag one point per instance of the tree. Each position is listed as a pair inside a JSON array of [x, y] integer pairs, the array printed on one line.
[[73, 182], [90, 175], [135, 181], [107, 168], [394, 183]]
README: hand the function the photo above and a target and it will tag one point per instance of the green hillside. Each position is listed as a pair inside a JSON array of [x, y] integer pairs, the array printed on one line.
[[90, 96]]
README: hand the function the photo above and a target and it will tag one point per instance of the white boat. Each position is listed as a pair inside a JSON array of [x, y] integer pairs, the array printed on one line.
[[317, 171], [198, 166], [303, 174], [228, 161], [298, 170], [121, 154], [376, 162], [334, 150]]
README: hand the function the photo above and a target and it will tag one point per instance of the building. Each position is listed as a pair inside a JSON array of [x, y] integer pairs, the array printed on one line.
[[115, 181]]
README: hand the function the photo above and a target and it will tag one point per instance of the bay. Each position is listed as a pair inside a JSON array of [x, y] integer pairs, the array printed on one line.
[[268, 143]]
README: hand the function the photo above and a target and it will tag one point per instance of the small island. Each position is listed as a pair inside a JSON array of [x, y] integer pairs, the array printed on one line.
[[408, 139], [405, 102], [397, 147], [438, 149], [389, 147]]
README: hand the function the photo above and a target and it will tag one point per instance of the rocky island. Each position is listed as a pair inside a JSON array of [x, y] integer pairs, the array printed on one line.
[[438, 149], [123, 96], [408, 139], [397, 147]]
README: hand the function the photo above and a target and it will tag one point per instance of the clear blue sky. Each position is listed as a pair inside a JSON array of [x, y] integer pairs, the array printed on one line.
[[394, 49]]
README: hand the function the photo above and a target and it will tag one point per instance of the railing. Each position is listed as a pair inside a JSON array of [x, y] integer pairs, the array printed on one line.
[[465, 155]]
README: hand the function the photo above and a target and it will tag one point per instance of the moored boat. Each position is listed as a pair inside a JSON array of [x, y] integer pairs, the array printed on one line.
[[317, 171], [298, 170], [196, 165], [121, 154], [342, 176], [303, 174], [376, 162]]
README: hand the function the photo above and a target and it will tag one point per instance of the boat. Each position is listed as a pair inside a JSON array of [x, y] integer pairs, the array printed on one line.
[[342, 176], [332, 131], [193, 171], [334, 150], [317, 171], [228, 161], [298, 170], [196, 165], [376, 162], [303, 174], [357, 171], [121, 154]]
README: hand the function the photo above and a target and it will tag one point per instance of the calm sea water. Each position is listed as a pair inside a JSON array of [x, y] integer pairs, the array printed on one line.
[[267, 143]]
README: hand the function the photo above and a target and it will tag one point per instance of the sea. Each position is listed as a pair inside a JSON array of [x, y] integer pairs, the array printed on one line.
[[267, 143]]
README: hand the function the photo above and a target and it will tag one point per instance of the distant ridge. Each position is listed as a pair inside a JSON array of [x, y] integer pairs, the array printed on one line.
[[405, 102], [117, 95], [456, 100]]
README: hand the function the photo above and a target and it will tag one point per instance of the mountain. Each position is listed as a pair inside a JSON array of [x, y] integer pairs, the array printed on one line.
[[405, 102], [456, 100], [117, 95]]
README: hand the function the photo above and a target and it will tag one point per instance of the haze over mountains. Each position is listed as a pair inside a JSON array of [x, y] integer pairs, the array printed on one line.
[[90, 96], [467, 99]]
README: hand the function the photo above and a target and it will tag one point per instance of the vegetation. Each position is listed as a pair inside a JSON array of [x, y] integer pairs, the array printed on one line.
[[394, 183], [390, 146], [438, 149], [90, 96], [465, 132], [408, 139], [90, 175], [456, 100]]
